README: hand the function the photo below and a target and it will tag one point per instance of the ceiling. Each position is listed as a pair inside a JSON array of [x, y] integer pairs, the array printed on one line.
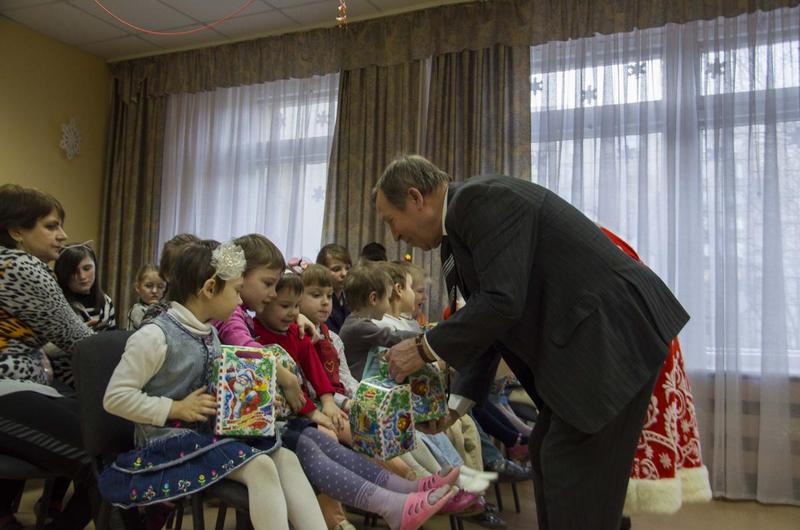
[[83, 24]]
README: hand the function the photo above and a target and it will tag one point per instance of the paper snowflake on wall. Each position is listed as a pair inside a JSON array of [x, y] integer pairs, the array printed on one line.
[[70, 139]]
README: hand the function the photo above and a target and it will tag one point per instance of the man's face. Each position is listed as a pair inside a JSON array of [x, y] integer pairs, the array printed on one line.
[[419, 223]]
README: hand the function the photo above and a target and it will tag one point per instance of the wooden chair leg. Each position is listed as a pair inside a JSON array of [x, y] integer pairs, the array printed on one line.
[[18, 498], [198, 523], [243, 521], [179, 514], [221, 512], [498, 497], [103, 519], [44, 504], [516, 497]]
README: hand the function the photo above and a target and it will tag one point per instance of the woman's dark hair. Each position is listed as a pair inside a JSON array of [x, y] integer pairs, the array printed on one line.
[[374, 252], [191, 268], [333, 251], [170, 250], [66, 266], [22, 207]]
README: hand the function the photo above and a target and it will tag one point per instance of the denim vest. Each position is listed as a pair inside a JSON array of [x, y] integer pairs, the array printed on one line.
[[185, 369]]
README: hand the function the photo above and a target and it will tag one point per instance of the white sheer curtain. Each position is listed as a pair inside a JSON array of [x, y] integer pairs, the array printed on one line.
[[250, 159], [685, 140]]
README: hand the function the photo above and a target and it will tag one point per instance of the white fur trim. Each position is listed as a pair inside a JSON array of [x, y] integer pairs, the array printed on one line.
[[665, 496], [695, 484], [653, 496]]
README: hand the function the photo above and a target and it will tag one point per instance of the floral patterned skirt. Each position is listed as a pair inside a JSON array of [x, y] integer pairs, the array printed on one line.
[[174, 466]]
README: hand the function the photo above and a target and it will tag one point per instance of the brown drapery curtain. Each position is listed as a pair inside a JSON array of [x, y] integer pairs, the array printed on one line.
[[378, 118], [479, 122], [411, 37], [474, 116], [131, 195]]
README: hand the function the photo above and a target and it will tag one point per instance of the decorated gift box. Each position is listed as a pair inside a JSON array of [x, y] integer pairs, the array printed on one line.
[[244, 382], [428, 386], [428, 393], [381, 418], [282, 357]]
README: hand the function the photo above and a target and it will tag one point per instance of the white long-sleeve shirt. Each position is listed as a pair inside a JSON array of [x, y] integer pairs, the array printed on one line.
[[144, 355]]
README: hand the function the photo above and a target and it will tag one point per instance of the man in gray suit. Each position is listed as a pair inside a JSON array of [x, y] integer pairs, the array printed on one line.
[[584, 327]]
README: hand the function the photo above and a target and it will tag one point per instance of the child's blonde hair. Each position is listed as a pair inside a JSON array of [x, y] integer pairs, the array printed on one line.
[[144, 270], [317, 275], [397, 273], [364, 280], [417, 273], [259, 252], [290, 281]]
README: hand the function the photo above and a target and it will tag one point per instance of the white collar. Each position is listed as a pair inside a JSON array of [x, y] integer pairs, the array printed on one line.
[[188, 319]]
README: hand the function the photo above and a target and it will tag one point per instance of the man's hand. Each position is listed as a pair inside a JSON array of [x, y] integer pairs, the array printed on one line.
[[404, 359], [291, 388], [197, 406], [305, 326], [437, 426]]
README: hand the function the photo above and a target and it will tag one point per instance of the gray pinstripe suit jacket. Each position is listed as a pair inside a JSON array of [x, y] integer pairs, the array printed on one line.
[[547, 290]]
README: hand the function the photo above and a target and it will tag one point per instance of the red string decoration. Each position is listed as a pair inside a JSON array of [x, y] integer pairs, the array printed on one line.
[[176, 33]]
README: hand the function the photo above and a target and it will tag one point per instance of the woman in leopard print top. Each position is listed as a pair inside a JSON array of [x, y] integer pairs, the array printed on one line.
[[37, 423]]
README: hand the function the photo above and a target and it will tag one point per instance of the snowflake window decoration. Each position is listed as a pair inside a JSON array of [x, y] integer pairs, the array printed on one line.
[[536, 86], [589, 95], [715, 69], [70, 139], [636, 69], [318, 194]]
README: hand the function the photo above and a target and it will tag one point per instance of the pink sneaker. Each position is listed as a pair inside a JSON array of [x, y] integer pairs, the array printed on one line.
[[518, 451], [460, 502], [436, 480], [418, 509]]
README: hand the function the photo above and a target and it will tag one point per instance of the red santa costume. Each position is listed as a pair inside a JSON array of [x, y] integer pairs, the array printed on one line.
[[667, 470]]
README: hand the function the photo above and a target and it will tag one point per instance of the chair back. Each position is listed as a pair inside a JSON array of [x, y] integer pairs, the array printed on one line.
[[93, 362]]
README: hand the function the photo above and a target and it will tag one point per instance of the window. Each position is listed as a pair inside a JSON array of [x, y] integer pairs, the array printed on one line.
[[685, 140], [250, 159]]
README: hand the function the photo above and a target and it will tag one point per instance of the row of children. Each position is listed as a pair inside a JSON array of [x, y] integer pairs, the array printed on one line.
[[238, 294]]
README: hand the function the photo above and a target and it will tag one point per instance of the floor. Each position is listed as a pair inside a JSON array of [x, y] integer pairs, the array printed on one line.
[[716, 515]]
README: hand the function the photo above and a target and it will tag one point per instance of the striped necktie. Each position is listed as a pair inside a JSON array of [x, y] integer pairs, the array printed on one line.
[[449, 273]]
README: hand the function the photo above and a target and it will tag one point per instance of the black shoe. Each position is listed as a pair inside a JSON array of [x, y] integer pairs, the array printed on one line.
[[626, 523], [509, 471], [487, 519]]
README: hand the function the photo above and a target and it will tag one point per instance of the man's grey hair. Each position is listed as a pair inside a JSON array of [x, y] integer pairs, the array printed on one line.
[[409, 171]]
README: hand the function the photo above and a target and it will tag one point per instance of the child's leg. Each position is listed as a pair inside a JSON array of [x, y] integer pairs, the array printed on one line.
[[333, 475], [332, 510], [424, 457], [442, 450], [472, 442], [398, 467], [303, 510], [418, 470], [264, 492], [316, 442]]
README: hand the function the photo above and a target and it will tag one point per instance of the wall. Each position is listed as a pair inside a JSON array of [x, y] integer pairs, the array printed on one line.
[[43, 83]]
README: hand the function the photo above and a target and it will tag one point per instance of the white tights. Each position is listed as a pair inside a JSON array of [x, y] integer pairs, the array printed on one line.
[[279, 492]]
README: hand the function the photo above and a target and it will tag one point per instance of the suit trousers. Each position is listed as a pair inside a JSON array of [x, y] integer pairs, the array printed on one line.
[[580, 479]]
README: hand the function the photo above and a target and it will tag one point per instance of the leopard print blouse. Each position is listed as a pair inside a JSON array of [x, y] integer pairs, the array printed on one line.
[[33, 312]]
